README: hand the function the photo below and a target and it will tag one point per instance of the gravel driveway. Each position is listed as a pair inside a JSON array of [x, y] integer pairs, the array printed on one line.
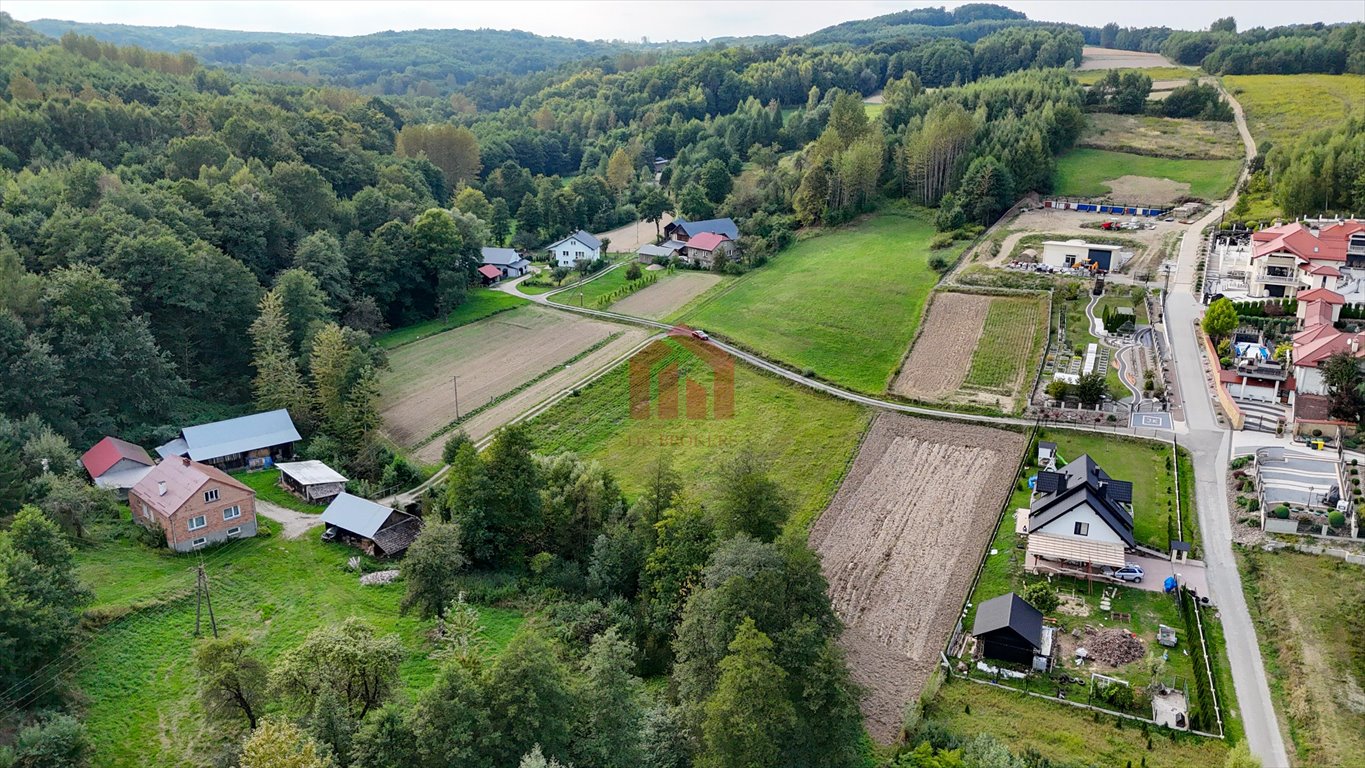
[[295, 523]]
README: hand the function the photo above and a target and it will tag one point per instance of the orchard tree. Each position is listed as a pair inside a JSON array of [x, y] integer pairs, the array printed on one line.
[[232, 681], [349, 658]]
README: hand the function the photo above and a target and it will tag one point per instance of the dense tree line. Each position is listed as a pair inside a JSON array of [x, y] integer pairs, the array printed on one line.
[[1288, 50]]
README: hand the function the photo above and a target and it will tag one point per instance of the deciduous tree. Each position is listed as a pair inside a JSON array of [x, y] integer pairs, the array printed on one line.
[[749, 716], [430, 568], [281, 744], [232, 681]]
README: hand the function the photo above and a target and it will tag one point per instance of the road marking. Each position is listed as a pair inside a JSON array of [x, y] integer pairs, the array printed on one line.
[[1151, 421]]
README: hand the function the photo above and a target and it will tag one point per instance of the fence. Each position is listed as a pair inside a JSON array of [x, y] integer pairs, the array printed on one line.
[[1235, 417]]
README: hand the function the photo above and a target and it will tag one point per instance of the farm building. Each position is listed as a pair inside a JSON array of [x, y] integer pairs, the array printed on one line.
[[580, 246], [252, 442], [489, 274], [195, 504], [1008, 629], [683, 230], [1080, 515], [1101, 257], [311, 480], [376, 529], [506, 260], [650, 253], [116, 464]]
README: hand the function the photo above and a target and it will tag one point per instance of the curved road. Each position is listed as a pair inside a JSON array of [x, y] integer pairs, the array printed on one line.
[[1207, 441]]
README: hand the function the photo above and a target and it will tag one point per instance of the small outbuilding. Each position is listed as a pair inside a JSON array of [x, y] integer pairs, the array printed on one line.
[[374, 528], [311, 480], [1007, 628], [489, 274], [116, 464]]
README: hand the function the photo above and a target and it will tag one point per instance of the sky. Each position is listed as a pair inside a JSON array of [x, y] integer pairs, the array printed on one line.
[[631, 20]]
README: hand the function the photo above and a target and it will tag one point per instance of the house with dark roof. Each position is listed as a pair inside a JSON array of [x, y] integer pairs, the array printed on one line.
[[505, 260], [683, 230], [194, 504], [254, 442], [1080, 516], [578, 247], [1008, 629], [116, 464], [376, 529]]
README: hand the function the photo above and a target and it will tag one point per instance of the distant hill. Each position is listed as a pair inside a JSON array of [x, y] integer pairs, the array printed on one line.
[[20, 34]]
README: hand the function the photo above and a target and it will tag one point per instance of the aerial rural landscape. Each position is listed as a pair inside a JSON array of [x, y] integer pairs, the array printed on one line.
[[747, 386]]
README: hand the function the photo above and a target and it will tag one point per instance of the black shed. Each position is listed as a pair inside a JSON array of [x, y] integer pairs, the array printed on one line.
[[1009, 629]]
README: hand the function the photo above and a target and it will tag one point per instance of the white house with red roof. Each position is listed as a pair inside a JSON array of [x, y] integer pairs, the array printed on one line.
[[1303, 256], [116, 464], [703, 248]]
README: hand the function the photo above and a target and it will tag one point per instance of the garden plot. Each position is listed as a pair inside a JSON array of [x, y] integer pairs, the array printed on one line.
[[667, 296], [490, 358], [900, 543], [975, 349]]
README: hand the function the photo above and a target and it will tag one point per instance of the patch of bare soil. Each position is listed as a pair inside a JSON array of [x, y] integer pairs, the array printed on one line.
[[666, 296], [629, 238], [1147, 188], [1094, 57], [899, 545], [942, 354]]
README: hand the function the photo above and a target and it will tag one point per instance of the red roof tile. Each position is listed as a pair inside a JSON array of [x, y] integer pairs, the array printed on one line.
[[1321, 294], [706, 241], [1329, 244], [491, 272], [109, 451]]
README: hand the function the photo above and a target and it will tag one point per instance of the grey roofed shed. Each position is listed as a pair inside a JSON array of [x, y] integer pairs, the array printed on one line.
[[206, 442], [359, 516], [1009, 628], [311, 472], [500, 257], [656, 251]]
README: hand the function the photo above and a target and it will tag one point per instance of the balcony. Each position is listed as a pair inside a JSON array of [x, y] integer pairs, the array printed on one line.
[[1262, 370]]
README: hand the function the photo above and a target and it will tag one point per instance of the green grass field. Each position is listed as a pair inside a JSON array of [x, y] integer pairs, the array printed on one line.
[[1063, 734], [844, 304], [1092, 76], [604, 287], [1307, 610], [267, 487], [481, 303], [873, 110], [136, 673], [807, 438], [1162, 136], [1083, 173], [1281, 107], [1011, 341]]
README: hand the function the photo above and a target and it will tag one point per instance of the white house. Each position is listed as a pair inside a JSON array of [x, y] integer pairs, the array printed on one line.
[[580, 246], [1080, 515], [1304, 256], [1064, 254], [505, 260]]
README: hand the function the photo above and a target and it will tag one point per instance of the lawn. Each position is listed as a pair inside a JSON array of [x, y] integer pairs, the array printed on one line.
[[1307, 610], [1083, 173], [266, 484], [1011, 340], [808, 439], [600, 292], [844, 305], [1064, 734], [136, 674], [1078, 334], [1283, 107], [480, 304]]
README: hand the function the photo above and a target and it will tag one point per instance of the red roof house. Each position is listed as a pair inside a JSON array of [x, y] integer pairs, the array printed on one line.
[[490, 273], [117, 464], [1321, 294]]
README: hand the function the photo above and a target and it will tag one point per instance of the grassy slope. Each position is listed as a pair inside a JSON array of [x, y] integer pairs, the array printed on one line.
[[844, 304], [587, 294], [136, 674], [1307, 611], [480, 304], [1281, 107], [1062, 733], [267, 487], [808, 438], [1081, 172], [1162, 136]]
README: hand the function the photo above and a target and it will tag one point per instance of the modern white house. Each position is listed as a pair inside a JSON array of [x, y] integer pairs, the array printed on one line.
[[1080, 518], [1065, 254], [1303, 256], [580, 246]]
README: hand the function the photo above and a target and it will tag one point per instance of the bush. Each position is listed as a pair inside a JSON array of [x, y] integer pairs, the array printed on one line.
[[1042, 596], [941, 240], [939, 264], [1336, 520], [633, 271], [1253, 505], [1282, 512]]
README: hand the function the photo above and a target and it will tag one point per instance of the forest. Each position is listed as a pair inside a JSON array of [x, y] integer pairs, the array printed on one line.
[[186, 236]]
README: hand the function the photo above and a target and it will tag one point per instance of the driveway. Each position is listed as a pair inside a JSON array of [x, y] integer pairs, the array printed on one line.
[[1190, 573], [295, 523]]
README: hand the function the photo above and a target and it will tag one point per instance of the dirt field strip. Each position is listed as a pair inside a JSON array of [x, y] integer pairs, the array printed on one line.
[[1094, 57], [900, 543], [629, 238], [942, 354], [666, 296], [490, 357]]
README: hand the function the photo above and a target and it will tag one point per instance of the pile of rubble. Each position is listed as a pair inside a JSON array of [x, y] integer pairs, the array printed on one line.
[[1114, 647], [378, 577]]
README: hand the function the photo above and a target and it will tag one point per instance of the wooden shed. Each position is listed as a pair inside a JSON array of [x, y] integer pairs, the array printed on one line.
[[376, 529], [311, 481]]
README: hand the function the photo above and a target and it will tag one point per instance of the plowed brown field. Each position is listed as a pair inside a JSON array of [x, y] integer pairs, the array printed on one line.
[[900, 544], [942, 354]]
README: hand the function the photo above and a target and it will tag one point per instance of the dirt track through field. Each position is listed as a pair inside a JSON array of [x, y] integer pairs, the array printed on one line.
[[666, 296], [942, 354], [900, 544], [491, 357]]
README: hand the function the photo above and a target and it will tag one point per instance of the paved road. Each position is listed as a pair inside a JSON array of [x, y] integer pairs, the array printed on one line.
[[1210, 444]]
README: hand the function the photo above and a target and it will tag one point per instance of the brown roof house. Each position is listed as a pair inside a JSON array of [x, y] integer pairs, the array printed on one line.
[[195, 504]]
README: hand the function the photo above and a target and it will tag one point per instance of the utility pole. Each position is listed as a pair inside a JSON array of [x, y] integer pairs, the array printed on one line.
[[455, 382], [202, 599]]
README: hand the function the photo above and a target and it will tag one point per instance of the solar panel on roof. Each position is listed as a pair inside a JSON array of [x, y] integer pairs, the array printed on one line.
[[1120, 491], [1050, 482]]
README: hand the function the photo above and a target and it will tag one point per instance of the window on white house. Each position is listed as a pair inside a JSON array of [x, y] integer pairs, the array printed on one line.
[[197, 522], [197, 543], [211, 495], [232, 512], [234, 532], [1082, 529]]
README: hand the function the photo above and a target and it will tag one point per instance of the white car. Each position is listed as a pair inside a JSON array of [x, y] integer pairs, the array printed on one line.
[[1130, 572]]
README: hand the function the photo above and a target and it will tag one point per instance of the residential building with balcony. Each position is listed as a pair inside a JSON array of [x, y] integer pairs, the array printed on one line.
[[1303, 256]]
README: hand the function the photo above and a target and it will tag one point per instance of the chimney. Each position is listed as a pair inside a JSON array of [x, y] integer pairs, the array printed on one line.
[[185, 460], [1104, 489], [160, 487]]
